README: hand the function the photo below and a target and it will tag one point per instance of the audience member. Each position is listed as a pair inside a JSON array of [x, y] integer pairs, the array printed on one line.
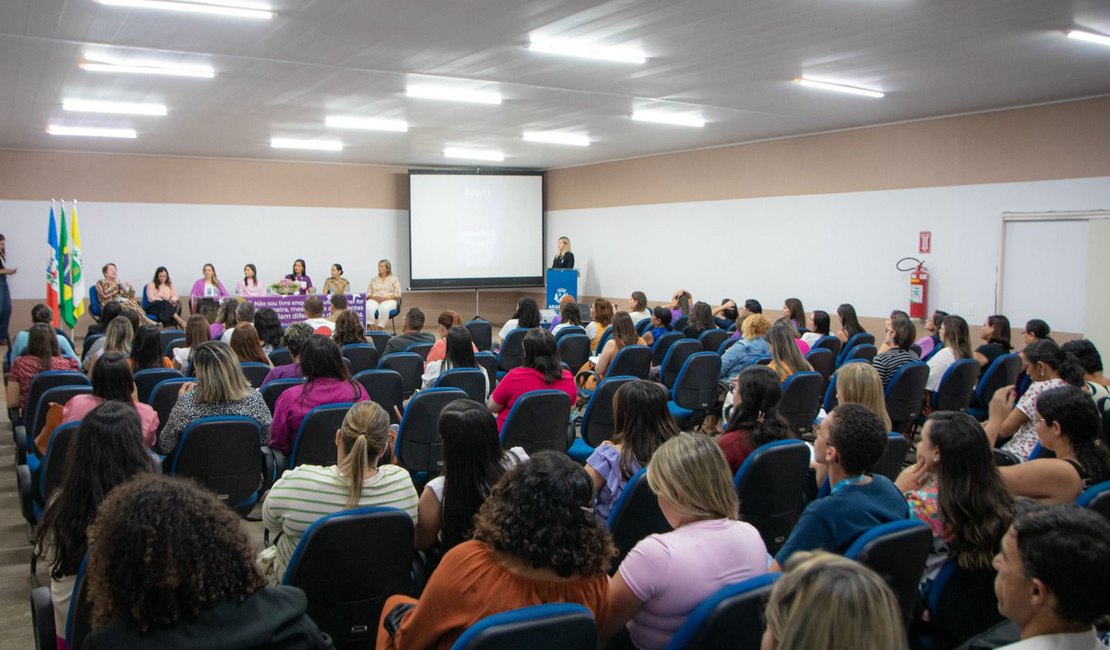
[[957, 345], [337, 304], [996, 332], [818, 324], [755, 419], [793, 310], [107, 313], [1036, 330], [246, 346], [851, 439], [249, 287], [411, 332], [112, 381], [460, 354], [220, 389], [623, 333], [473, 462], [830, 602], [932, 332], [569, 316], [42, 314], [200, 588], [558, 318], [637, 307], [601, 317], [527, 315], [641, 423], [534, 542], [666, 576], [268, 326], [382, 296], [750, 348], [849, 323], [701, 320], [725, 315], [444, 323], [328, 382], [680, 304], [1016, 421], [117, 338], [348, 329], [895, 351], [660, 324], [786, 357], [105, 452], [296, 335], [162, 302], [542, 369], [146, 350], [859, 383], [336, 284], [1095, 383], [208, 286], [42, 354], [314, 316], [244, 314], [359, 479], [225, 319], [196, 332]]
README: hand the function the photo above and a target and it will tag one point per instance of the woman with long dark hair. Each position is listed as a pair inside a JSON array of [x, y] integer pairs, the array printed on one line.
[[641, 423], [957, 345], [786, 357], [42, 354], [792, 309], [701, 319], [246, 346], [995, 333], [300, 277], [268, 326], [527, 315], [459, 354], [1068, 425], [249, 287], [112, 381], [818, 324], [755, 419], [106, 451], [348, 329], [568, 316], [473, 462], [162, 299], [849, 323], [196, 332], [327, 382], [956, 489], [542, 369], [146, 350], [624, 333]]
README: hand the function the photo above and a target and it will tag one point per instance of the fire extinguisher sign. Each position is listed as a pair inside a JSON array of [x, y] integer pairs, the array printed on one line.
[[925, 241]]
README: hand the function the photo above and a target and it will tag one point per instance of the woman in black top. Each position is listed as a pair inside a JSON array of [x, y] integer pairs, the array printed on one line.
[[565, 258], [6, 299], [996, 333]]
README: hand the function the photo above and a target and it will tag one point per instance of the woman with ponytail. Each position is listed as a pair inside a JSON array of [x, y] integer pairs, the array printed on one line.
[[1015, 419], [1068, 425], [308, 492]]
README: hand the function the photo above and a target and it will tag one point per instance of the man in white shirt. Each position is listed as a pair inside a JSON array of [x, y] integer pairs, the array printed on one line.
[[1053, 573], [314, 316]]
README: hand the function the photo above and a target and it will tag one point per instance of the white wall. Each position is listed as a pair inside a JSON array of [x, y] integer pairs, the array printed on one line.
[[824, 249], [140, 237]]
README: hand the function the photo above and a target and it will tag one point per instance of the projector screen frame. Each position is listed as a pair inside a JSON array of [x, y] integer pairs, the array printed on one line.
[[511, 282]]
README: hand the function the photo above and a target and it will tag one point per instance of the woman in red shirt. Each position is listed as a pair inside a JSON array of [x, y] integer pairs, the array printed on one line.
[[542, 369], [42, 354]]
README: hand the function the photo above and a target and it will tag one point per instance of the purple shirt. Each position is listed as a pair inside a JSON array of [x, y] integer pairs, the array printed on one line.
[[295, 403], [288, 371]]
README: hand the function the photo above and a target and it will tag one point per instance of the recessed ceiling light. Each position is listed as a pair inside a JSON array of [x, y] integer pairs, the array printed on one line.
[[586, 50], [453, 94], [473, 154], [1089, 37], [555, 137], [120, 108], [223, 8], [91, 132], [103, 62], [661, 117], [852, 90], [367, 123], [315, 145]]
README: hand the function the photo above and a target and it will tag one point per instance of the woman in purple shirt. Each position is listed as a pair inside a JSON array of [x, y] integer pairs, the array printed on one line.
[[298, 275], [207, 287], [328, 382]]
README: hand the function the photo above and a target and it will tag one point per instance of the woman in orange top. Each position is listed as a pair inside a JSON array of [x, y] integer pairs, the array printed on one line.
[[536, 541]]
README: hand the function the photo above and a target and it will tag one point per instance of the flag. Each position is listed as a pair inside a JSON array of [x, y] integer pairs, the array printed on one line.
[[76, 270], [52, 267], [65, 308]]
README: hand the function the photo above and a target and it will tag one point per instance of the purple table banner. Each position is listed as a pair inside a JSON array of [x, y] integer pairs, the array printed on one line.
[[290, 309]]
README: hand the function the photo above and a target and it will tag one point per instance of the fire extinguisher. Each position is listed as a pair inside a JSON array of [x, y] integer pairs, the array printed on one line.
[[919, 287]]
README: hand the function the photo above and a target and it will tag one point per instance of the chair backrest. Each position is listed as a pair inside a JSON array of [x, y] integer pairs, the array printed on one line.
[[222, 453], [79, 618], [280, 357], [643, 325], [58, 395], [801, 400], [676, 356], [147, 378], [830, 400], [165, 337], [962, 603], [94, 303], [538, 421], [52, 470], [472, 381], [635, 515], [726, 344], [409, 365], [511, 354], [1003, 371], [255, 372], [956, 386], [549, 626], [1097, 498], [823, 362], [43, 382], [770, 484], [904, 394], [481, 332], [680, 323], [380, 339], [606, 334], [348, 563], [696, 386], [662, 344], [423, 349], [386, 388], [574, 350], [862, 352], [894, 456], [314, 443], [732, 617], [711, 339], [87, 344], [897, 551], [363, 356], [272, 390], [569, 329], [164, 396], [171, 345], [1003, 458], [858, 339], [419, 447], [633, 360], [932, 353], [488, 362], [597, 418], [830, 343]]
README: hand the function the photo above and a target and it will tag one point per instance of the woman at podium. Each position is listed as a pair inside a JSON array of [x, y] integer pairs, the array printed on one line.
[[565, 258]]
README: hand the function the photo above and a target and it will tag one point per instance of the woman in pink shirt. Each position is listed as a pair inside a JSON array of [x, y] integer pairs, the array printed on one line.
[[542, 369], [112, 380], [328, 382]]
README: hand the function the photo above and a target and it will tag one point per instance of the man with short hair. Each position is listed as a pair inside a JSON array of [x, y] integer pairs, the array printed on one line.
[[410, 333], [296, 335], [42, 314], [244, 313], [1053, 574], [338, 305], [314, 316], [850, 440]]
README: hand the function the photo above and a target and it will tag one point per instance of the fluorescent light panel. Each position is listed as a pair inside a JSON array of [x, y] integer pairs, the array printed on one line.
[[314, 145], [225, 9], [103, 62], [555, 137], [473, 154], [661, 117], [852, 90], [586, 50], [1089, 37], [365, 123], [119, 108], [91, 132], [453, 94]]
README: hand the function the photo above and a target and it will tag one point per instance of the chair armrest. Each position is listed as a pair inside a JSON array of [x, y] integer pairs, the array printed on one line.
[[22, 444], [23, 478], [273, 466], [42, 618]]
